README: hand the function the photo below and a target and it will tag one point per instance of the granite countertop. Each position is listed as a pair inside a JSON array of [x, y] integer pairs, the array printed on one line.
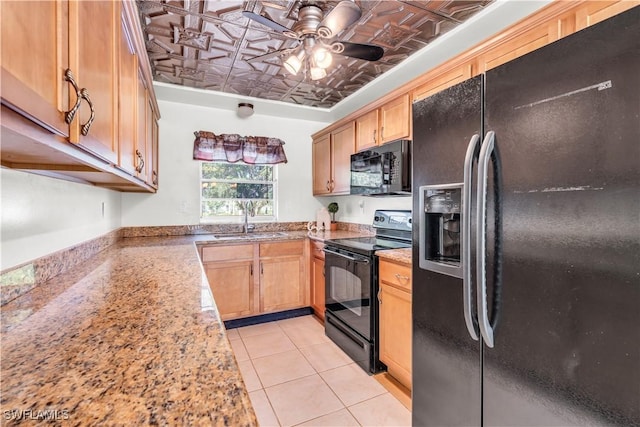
[[402, 256], [132, 336]]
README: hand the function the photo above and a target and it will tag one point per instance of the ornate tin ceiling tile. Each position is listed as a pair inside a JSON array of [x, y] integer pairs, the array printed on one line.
[[212, 45]]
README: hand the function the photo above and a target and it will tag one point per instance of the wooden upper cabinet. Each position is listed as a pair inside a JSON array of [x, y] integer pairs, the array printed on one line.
[[442, 81], [141, 145], [155, 138], [342, 147], [33, 84], [367, 130], [321, 154], [332, 160], [395, 119], [526, 42], [596, 11], [93, 39], [127, 102]]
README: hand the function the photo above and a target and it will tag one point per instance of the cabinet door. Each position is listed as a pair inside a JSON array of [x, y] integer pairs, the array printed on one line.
[[141, 146], [395, 120], [322, 165], [395, 332], [281, 283], [93, 37], [342, 147], [442, 81], [317, 286], [232, 287], [367, 130], [593, 12], [34, 59], [529, 41], [155, 138], [128, 102]]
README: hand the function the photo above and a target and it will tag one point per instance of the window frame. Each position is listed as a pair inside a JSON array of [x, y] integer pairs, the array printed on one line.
[[234, 218]]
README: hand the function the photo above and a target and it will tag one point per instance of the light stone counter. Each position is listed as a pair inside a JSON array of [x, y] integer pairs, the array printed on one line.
[[130, 337]]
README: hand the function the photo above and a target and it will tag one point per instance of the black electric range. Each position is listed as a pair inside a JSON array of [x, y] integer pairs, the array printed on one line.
[[351, 281]]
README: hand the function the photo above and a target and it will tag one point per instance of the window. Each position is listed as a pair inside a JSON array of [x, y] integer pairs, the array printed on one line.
[[225, 187]]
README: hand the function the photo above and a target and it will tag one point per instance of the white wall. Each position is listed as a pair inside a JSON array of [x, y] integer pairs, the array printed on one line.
[[177, 200], [360, 209], [42, 215]]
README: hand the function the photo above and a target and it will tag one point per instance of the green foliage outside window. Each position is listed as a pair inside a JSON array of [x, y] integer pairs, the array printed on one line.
[[224, 187]]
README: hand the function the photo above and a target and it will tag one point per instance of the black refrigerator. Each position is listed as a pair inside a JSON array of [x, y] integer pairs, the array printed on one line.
[[526, 241]]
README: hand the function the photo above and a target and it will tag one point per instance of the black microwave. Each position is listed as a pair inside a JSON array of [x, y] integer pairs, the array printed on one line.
[[383, 170]]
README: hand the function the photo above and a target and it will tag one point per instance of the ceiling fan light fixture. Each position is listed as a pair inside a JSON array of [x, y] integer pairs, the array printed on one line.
[[294, 62], [340, 17], [322, 57], [317, 73]]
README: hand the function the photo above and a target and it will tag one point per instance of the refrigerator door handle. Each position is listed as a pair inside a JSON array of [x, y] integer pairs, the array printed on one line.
[[466, 236], [483, 311]]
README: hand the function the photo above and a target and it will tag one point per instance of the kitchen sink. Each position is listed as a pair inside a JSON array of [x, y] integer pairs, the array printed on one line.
[[248, 236]]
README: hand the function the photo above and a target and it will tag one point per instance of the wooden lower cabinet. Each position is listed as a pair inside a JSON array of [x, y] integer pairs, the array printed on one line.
[[281, 285], [316, 277], [394, 299], [232, 285], [254, 278]]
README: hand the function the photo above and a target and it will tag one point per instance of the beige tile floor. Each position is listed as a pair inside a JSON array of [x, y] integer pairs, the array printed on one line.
[[296, 376]]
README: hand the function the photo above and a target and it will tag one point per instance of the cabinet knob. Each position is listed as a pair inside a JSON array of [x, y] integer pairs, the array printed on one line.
[[328, 186]]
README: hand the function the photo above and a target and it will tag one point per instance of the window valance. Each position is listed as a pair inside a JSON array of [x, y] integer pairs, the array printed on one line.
[[231, 148]]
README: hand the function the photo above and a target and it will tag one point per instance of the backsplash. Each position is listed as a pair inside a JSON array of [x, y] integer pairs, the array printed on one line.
[[185, 230], [19, 280]]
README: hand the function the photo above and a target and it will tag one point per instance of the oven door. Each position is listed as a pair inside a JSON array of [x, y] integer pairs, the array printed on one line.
[[349, 289]]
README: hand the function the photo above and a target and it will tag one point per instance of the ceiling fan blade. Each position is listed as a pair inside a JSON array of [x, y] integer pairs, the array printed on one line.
[[269, 55], [368, 52], [269, 23], [344, 14]]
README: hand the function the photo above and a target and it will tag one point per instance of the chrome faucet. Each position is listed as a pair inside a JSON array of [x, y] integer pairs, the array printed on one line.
[[247, 227]]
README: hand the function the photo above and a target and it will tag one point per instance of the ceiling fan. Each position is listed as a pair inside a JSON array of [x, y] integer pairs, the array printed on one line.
[[314, 30]]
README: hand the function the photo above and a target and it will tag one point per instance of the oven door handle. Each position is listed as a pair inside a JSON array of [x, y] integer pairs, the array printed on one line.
[[364, 260]]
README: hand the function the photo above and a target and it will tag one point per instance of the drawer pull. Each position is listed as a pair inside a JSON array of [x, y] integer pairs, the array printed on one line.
[[69, 115], [84, 93], [140, 161], [402, 278]]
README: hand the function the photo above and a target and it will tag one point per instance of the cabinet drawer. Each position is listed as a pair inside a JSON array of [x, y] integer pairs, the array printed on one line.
[[227, 253], [395, 274], [294, 247], [317, 249]]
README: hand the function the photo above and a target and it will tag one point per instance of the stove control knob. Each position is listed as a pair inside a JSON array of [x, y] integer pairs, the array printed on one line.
[[376, 219]]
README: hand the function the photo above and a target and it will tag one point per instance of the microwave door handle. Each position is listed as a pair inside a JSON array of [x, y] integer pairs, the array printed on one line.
[[466, 236]]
